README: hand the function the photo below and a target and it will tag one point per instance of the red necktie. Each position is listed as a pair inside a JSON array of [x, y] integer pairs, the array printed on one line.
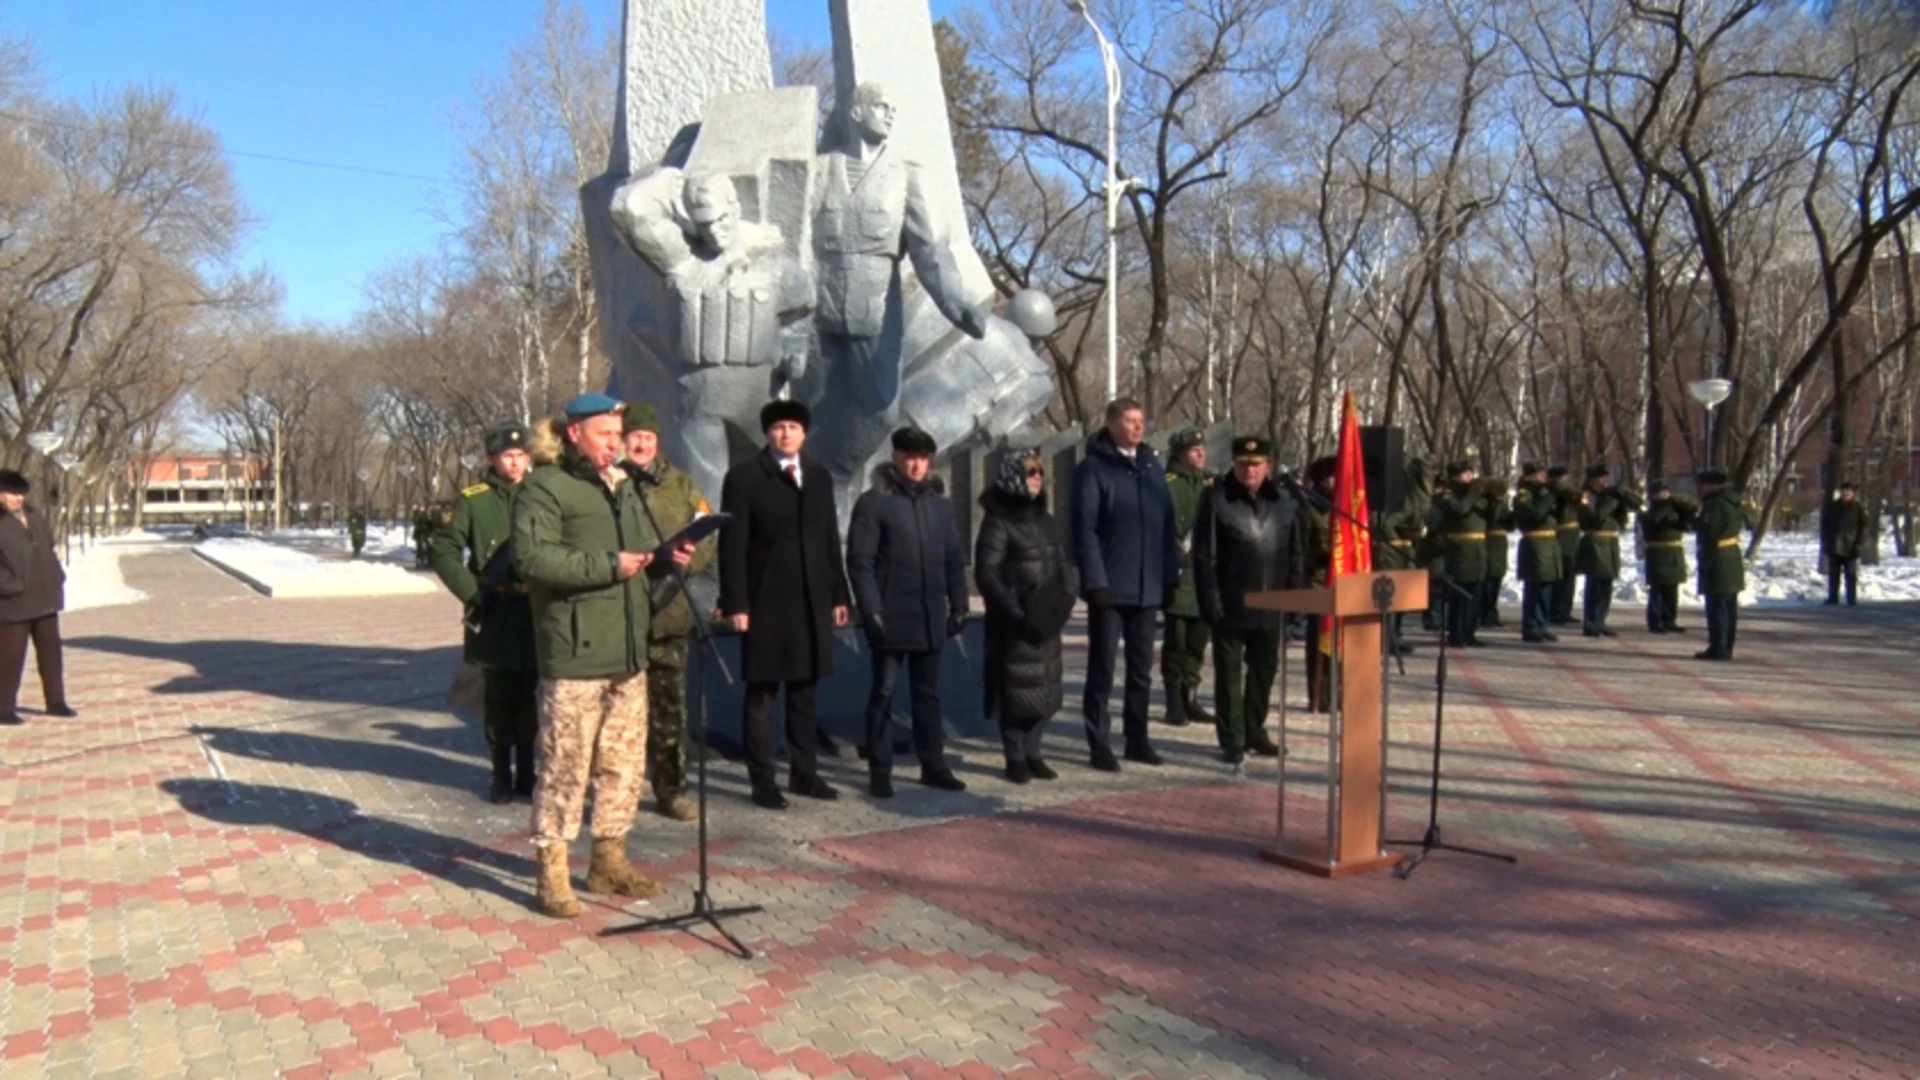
[[793, 473]]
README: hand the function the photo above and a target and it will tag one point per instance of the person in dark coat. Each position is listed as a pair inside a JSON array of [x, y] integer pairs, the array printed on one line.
[[1722, 566], [1844, 537], [908, 567], [1567, 510], [1536, 515], [783, 588], [1316, 540], [1129, 559], [1020, 568], [1604, 512], [32, 593], [1248, 539], [1457, 520], [1664, 525]]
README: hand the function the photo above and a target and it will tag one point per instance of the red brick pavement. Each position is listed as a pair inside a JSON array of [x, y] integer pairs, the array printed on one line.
[[1746, 911]]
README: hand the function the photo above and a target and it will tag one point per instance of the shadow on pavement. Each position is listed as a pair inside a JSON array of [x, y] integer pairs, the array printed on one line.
[[347, 754], [293, 671]]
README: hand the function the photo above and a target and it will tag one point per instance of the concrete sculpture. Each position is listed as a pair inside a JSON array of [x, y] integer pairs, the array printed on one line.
[[739, 255]]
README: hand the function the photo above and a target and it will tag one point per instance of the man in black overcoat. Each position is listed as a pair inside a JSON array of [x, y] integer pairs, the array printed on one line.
[[783, 589]]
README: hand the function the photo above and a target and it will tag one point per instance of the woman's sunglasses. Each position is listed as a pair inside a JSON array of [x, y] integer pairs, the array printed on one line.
[[1036, 471]]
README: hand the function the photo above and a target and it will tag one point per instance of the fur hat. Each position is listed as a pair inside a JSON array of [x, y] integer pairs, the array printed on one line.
[[1712, 476], [1455, 469], [511, 435], [1186, 439], [1322, 469], [911, 440], [1598, 469], [773, 412], [640, 417], [13, 483], [1558, 472]]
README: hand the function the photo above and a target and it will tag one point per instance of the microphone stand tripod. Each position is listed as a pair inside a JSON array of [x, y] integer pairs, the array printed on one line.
[[704, 911], [1455, 594]]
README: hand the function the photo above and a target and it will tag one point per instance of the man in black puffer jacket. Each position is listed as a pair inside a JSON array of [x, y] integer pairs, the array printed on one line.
[[1249, 538], [907, 565], [1129, 559]]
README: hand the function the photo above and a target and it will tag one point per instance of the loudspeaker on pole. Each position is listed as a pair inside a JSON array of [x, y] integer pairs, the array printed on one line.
[[1384, 451]]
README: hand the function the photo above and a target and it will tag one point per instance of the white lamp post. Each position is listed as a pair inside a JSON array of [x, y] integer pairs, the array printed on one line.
[[1113, 189], [469, 461], [1709, 393], [67, 461]]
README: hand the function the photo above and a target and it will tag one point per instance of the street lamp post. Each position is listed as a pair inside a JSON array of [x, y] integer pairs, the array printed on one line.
[[1709, 393], [1113, 189], [469, 461], [405, 469], [67, 462]]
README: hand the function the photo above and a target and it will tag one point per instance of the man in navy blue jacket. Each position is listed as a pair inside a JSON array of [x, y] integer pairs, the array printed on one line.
[[1124, 543]]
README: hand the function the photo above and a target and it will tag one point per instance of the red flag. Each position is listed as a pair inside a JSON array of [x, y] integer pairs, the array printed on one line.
[[1350, 527]]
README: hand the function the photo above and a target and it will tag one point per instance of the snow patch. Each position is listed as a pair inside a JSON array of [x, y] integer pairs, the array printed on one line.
[[94, 579], [280, 571]]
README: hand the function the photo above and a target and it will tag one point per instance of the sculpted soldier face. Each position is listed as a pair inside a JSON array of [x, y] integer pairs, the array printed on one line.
[[511, 464], [597, 439], [872, 113], [714, 207]]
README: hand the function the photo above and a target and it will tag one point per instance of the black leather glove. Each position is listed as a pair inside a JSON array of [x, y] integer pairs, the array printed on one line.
[[1099, 599], [956, 623], [876, 628]]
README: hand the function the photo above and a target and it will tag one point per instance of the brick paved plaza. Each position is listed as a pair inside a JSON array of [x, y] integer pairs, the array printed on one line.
[[261, 852]]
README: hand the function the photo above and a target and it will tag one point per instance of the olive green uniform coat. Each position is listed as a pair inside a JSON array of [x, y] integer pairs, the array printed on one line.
[[1723, 567], [1458, 524], [1183, 653], [482, 522], [1536, 514], [674, 502], [1664, 526], [569, 528], [1603, 516]]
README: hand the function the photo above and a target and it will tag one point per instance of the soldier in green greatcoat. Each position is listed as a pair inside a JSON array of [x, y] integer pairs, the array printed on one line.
[[673, 500], [466, 554], [424, 528], [1604, 511], [1536, 514], [1499, 527], [357, 530], [1723, 569], [1567, 523], [1183, 651], [1664, 526], [1401, 531], [1457, 523]]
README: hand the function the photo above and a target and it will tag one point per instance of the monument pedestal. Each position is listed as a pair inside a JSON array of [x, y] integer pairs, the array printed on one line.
[[1357, 725]]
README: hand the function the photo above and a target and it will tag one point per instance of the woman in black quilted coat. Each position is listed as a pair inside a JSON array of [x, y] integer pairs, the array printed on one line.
[[1020, 568]]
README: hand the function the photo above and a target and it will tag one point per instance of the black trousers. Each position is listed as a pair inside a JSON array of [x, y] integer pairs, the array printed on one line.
[[1596, 604], [923, 678], [1563, 592], [1723, 623], [1319, 671], [1244, 665], [1536, 607], [1463, 612], [512, 718], [1490, 600], [1020, 739], [44, 634], [1663, 606], [803, 747], [1849, 569], [1107, 629]]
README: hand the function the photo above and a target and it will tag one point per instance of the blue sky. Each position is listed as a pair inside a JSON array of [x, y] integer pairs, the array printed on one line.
[[371, 83]]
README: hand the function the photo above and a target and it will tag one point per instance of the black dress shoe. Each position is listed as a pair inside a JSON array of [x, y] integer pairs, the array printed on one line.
[[1263, 748], [1677, 629], [1606, 632], [1041, 770], [1102, 759], [1550, 637], [1656, 630], [62, 710], [1018, 771], [1589, 633], [1708, 654], [1534, 639], [880, 787], [1143, 755], [1233, 757], [1475, 643], [11, 719], [813, 788], [769, 797], [501, 791], [942, 779]]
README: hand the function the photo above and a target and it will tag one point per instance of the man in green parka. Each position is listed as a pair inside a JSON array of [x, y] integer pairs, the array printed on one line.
[[1184, 650], [1567, 514], [1664, 526], [1536, 513], [1723, 568], [672, 501], [582, 543], [1603, 516], [1457, 522], [499, 619]]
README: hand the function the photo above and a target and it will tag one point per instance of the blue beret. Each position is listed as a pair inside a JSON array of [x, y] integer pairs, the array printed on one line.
[[593, 404]]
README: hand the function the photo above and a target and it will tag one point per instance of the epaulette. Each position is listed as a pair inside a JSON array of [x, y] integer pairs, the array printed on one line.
[[477, 489]]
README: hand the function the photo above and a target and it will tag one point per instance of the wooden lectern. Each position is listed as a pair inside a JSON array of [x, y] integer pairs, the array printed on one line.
[[1357, 729]]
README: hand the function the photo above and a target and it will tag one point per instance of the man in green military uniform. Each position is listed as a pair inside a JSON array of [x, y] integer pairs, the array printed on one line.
[[1664, 525], [1458, 522], [1184, 649], [672, 501], [357, 530], [1723, 571], [1567, 524], [1499, 526], [1536, 513], [499, 620], [1603, 516], [424, 527], [1401, 531]]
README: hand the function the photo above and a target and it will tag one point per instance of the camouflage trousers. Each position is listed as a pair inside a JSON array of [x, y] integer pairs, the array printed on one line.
[[667, 716], [593, 732]]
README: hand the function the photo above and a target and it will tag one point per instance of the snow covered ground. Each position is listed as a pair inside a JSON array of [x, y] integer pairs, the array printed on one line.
[[385, 542], [1786, 572], [280, 570], [94, 579]]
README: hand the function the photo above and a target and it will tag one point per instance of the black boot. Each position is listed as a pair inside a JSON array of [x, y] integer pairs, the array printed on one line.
[[523, 770], [1194, 712], [1176, 705], [501, 790]]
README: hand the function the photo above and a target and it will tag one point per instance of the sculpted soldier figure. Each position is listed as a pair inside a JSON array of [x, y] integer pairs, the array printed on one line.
[[743, 299]]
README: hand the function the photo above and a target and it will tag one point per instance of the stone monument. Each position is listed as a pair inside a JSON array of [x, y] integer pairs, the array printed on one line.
[[741, 254]]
